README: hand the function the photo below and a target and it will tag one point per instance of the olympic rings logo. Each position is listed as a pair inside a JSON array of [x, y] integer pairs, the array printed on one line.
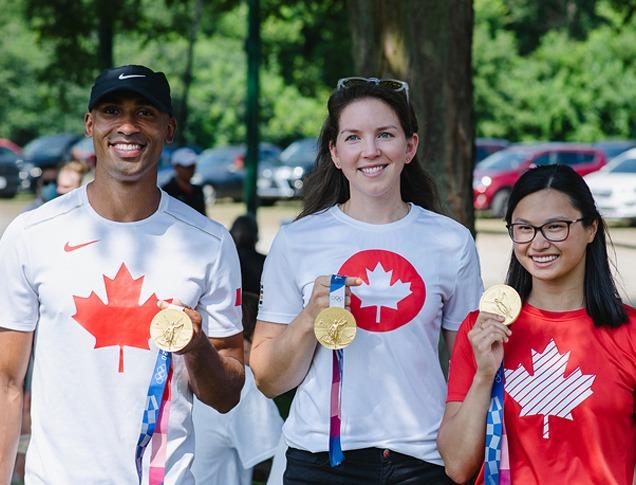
[[160, 375]]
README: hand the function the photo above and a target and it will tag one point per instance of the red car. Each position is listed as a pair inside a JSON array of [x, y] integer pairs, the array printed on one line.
[[494, 177], [5, 143]]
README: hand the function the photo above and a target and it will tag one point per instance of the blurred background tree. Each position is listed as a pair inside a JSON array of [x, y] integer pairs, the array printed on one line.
[[541, 69], [427, 43]]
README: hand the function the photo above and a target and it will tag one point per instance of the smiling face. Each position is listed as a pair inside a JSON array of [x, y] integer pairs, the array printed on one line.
[[371, 149], [128, 133], [553, 262]]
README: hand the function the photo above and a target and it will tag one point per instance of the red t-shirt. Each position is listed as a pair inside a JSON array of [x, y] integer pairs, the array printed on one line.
[[570, 397]]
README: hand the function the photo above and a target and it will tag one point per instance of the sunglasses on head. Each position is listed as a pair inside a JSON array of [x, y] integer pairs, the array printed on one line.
[[391, 84]]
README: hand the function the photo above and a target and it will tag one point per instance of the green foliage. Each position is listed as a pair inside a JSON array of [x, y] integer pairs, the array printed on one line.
[[541, 71], [308, 42], [566, 89], [28, 106], [531, 20], [218, 91]]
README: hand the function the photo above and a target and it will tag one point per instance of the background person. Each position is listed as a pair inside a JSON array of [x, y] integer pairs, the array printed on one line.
[[87, 271], [69, 176], [229, 446], [184, 161], [244, 231], [569, 360], [370, 215]]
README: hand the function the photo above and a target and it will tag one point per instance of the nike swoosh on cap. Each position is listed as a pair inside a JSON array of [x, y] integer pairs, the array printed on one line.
[[123, 76], [68, 247]]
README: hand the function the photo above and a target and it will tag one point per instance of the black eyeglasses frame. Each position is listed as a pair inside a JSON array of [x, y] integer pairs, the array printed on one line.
[[536, 229]]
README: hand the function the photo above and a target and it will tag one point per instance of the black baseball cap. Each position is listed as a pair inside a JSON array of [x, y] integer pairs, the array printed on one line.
[[139, 79]]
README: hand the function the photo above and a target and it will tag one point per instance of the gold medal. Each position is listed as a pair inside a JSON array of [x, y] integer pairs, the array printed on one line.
[[335, 327], [171, 329], [502, 300]]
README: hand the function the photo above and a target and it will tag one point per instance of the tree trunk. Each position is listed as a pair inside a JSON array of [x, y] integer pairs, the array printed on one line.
[[427, 43], [106, 13], [182, 113]]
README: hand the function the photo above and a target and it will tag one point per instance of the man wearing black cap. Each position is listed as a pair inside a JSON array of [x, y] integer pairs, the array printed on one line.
[[88, 271]]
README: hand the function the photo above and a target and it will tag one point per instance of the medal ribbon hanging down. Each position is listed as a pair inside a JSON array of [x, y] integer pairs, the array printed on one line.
[[152, 413], [496, 467], [336, 299]]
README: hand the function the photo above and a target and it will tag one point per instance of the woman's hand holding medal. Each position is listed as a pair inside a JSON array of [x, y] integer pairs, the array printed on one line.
[[499, 307], [319, 299], [330, 307]]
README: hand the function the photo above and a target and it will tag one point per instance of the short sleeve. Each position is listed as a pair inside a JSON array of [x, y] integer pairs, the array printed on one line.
[[255, 429], [281, 298], [462, 365], [220, 303], [468, 287], [19, 304]]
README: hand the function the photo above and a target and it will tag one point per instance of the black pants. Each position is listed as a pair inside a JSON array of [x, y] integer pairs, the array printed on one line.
[[361, 467]]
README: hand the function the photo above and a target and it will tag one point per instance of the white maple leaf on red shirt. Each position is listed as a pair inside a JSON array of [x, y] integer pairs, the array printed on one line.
[[379, 292], [547, 391]]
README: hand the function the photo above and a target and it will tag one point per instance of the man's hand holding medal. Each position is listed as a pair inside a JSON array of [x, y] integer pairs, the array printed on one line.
[[176, 327]]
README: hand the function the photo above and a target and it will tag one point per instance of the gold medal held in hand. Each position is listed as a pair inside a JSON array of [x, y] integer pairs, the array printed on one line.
[[171, 329], [502, 300], [335, 328]]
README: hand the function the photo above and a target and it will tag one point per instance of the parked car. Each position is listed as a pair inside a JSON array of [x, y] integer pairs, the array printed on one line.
[[487, 146], [47, 152], [221, 172], [286, 181], [494, 177], [613, 148], [84, 151], [614, 187], [10, 181], [14, 147]]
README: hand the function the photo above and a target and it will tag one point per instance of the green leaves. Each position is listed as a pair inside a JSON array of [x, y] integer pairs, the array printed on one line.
[[575, 80], [565, 89]]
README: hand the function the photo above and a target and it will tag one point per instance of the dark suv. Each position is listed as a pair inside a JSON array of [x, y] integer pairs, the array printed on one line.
[[9, 173]]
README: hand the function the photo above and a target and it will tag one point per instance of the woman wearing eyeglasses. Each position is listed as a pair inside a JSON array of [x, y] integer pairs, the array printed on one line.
[[569, 360], [408, 272]]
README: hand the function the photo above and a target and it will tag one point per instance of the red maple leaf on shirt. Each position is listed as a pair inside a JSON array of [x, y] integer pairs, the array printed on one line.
[[120, 321]]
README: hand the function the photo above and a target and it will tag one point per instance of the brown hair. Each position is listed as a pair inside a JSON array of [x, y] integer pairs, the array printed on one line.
[[326, 186]]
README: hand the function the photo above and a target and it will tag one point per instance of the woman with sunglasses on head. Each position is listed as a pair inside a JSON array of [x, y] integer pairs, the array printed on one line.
[[569, 360], [407, 272]]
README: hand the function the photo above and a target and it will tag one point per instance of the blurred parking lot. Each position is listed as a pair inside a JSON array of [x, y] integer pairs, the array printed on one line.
[[493, 243]]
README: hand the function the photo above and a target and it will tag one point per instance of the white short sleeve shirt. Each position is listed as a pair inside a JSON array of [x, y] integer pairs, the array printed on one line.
[[421, 274], [88, 286]]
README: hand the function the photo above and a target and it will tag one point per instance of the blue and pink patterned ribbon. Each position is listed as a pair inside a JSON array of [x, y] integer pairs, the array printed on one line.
[[335, 451], [336, 299], [154, 420], [496, 466]]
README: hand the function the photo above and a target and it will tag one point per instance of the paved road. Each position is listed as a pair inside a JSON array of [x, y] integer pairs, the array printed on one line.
[[493, 243]]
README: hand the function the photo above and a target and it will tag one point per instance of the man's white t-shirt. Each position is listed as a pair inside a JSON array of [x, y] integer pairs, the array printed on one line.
[[88, 286], [227, 446], [421, 273]]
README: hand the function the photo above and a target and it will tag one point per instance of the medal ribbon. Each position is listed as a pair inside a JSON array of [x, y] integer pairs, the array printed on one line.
[[154, 408], [336, 299], [496, 467]]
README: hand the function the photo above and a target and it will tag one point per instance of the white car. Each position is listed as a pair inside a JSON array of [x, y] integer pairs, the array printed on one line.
[[614, 187]]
